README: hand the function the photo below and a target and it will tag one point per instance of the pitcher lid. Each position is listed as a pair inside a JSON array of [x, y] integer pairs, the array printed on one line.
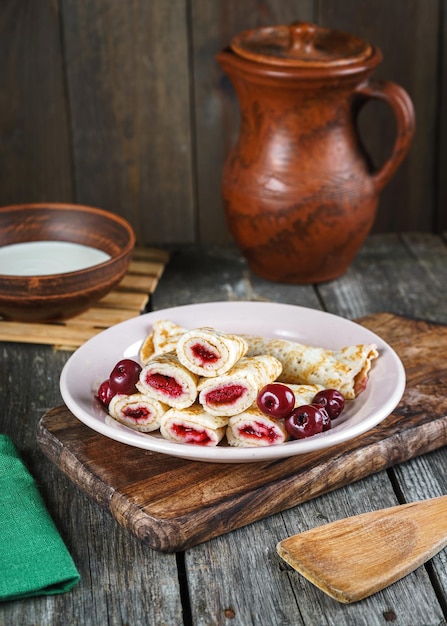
[[301, 45]]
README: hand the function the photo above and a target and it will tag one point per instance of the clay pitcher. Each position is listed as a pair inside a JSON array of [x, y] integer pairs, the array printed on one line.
[[300, 193]]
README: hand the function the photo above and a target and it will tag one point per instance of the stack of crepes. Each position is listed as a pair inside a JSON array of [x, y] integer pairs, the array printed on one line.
[[200, 385]]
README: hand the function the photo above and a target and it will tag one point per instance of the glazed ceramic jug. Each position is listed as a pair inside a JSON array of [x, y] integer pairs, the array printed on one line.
[[300, 193]]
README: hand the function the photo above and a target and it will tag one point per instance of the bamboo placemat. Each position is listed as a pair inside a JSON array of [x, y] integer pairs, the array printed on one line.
[[127, 300]]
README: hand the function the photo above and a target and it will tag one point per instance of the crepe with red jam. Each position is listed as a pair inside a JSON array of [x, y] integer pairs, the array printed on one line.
[[209, 352], [167, 380], [236, 390], [137, 411], [253, 429], [193, 425]]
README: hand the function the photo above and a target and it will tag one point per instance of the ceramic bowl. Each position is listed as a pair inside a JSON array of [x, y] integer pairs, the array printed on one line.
[[57, 260]]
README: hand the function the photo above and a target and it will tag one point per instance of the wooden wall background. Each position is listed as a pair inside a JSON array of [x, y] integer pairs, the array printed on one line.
[[120, 104]]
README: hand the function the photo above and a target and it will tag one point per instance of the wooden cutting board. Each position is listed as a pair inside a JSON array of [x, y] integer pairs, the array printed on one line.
[[171, 504]]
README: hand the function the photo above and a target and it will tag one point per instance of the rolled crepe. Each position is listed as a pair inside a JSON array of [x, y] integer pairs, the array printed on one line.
[[167, 380], [162, 338], [345, 370], [209, 352], [236, 390], [251, 428], [193, 425], [137, 411]]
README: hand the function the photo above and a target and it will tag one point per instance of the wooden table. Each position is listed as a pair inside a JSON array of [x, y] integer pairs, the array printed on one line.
[[236, 578]]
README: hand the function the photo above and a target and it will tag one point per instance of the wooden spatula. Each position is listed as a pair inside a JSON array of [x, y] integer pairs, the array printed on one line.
[[355, 557]]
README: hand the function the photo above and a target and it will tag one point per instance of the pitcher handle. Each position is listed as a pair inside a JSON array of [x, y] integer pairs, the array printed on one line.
[[400, 102]]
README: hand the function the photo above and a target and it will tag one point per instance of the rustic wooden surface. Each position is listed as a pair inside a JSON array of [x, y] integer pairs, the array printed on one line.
[[122, 105], [236, 578], [172, 504]]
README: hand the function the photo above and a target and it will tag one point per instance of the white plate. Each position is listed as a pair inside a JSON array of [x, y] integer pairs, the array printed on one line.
[[93, 362]]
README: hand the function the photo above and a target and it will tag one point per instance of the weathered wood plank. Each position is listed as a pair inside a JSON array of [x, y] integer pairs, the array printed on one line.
[[431, 253], [407, 32], [426, 477], [387, 276], [217, 274], [385, 264], [122, 105], [440, 212], [238, 577], [127, 75], [273, 594], [415, 480], [35, 143]]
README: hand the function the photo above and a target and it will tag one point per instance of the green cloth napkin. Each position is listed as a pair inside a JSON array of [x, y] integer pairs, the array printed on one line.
[[34, 560]]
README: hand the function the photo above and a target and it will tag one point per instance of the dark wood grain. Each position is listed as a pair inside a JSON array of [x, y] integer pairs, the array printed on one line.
[[409, 58], [35, 140], [127, 74], [172, 504], [440, 216], [237, 577], [121, 105]]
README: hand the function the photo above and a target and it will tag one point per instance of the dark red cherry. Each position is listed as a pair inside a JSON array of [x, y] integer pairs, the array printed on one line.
[[304, 421], [105, 393], [276, 400], [332, 400], [124, 376]]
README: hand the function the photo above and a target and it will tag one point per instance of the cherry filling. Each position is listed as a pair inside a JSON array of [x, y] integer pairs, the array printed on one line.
[[137, 413], [204, 355], [260, 431], [191, 435], [360, 384], [165, 384], [227, 394]]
